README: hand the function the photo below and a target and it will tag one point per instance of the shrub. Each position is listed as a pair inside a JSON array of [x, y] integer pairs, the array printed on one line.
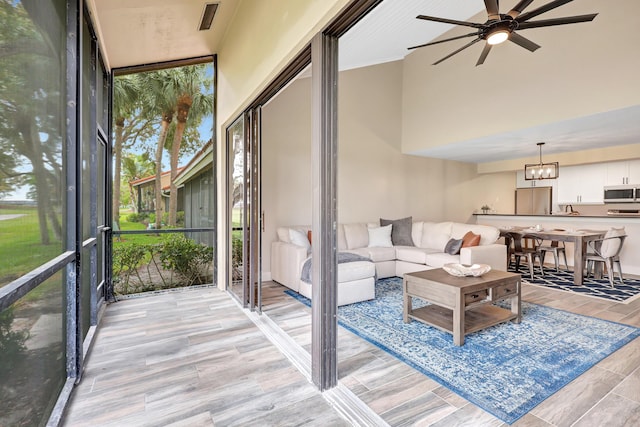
[[154, 266], [12, 345], [187, 258], [179, 218], [127, 259], [137, 217], [236, 256]]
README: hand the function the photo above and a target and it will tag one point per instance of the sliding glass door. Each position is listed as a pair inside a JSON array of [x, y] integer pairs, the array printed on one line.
[[244, 215]]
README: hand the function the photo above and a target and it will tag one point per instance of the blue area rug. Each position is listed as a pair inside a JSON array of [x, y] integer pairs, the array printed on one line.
[[507, 369], [599, 288]]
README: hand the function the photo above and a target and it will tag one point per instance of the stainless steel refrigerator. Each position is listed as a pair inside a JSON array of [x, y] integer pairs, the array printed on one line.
[[533, 201]]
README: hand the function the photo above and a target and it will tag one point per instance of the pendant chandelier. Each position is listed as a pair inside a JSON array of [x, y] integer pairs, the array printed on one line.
[[541, 170]]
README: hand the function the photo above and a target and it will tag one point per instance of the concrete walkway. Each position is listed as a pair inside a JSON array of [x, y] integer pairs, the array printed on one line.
[[12, 216]]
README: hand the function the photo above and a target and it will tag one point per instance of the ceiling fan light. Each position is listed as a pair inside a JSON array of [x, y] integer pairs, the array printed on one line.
[[498, 37]]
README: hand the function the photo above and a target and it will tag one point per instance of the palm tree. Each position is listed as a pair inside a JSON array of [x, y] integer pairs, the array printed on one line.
[[188, 82], [125, 101], [159, 100]]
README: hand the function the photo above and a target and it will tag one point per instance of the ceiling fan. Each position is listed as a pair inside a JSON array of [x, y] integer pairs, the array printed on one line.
[[502, 27]]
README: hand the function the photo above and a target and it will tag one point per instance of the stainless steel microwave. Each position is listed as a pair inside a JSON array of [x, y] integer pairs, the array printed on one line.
[[622, 194]]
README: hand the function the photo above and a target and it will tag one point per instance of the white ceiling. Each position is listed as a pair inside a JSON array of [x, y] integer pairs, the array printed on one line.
[[135, 32]]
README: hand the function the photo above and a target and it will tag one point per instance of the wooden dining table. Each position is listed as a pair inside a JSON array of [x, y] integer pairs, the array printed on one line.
[[579, 238]]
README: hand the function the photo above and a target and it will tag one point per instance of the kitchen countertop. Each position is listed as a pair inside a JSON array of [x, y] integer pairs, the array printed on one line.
[[564, 216]]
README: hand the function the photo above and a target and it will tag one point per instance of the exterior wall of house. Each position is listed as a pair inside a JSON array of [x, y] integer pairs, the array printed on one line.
[[198, 206], [584, 72]]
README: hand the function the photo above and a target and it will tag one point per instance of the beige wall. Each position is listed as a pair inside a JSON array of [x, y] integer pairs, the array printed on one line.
[[262, 38], [586, 70], [374, 178]]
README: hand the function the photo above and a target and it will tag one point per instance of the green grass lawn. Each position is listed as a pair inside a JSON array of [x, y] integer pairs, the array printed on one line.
[[20, 247], [139, 239]]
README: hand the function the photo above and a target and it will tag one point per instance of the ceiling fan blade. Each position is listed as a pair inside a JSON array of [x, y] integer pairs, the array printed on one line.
[[457, 51], [450, 21], [557, 21], [445, 40], [542, 9], [524, 42], [483, 55], [492, 9], [517, 9]]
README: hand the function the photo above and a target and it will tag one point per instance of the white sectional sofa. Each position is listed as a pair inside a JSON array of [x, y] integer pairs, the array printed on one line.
[[356, 281]]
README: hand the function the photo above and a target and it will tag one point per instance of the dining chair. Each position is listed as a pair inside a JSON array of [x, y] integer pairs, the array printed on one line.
[[555, 248], [607, 251], [530, 253]]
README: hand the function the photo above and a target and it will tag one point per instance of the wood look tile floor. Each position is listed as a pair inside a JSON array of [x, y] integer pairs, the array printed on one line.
[[194, 358]]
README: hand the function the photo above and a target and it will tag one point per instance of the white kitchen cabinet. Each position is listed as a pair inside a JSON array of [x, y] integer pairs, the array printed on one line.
[[620, 173], [581, 184]]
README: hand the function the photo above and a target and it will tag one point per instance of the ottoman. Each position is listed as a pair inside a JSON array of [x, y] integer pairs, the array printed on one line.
[[356, 282]]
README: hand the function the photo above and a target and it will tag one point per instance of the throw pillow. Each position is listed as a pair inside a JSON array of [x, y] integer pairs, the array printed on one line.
[[453, 246], [380, 236], [470, 239], [400, 230], [298, 238], [309, 237]]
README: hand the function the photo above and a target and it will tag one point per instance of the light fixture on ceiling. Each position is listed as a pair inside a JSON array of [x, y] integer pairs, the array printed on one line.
[[541, 170], [207, 16], [498, 37]]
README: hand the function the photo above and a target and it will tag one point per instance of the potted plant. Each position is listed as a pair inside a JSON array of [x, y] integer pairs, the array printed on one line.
[[485, 209]]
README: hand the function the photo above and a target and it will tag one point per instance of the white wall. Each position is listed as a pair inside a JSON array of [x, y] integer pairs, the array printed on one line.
[[374, 178], [581, 69]]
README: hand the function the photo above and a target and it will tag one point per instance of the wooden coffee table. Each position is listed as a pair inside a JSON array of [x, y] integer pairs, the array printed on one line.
[[461, 305]]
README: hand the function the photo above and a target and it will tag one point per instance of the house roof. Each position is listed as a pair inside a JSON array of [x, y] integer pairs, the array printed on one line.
[[196, 163], [164, 179]]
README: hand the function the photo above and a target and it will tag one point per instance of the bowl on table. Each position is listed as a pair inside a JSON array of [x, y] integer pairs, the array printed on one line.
[[462, 270]]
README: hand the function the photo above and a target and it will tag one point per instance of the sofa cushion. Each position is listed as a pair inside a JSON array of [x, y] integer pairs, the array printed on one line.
[[401, 231], [380, 236], [284, 234], [438, 259], [413, 254], [488, 234], [436, 235], [298, 238], [470, 239], [453, 246], [342, 240], [416, 233], [349, 271], [379, 254], [359, 251], [356, 235]]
